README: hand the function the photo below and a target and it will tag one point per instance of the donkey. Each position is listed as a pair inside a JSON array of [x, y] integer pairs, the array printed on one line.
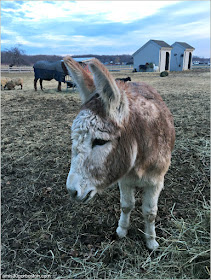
[[123, 133]]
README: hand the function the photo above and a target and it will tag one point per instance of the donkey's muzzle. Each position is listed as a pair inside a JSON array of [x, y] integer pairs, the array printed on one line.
[[73, 193], [83, 198], [77, 191]]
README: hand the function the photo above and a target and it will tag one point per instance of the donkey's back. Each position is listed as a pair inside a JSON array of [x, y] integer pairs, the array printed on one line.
[[150, 128]]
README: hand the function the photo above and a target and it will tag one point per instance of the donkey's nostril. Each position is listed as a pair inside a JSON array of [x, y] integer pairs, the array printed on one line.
[[73, 193]]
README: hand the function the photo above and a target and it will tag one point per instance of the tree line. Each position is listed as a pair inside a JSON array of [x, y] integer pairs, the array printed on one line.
[[16, 56]]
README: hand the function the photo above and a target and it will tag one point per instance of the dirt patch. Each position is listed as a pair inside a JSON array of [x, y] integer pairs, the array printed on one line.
[[44, 233]]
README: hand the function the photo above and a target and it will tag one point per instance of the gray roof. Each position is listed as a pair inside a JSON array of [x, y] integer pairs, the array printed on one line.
[[184, 45], [159, 43], [162, 44]]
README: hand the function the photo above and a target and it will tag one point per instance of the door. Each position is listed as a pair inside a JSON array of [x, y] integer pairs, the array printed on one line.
[[189, 61], [167, 61]]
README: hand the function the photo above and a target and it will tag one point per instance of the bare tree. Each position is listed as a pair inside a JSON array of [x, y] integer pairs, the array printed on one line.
[[15, 56]]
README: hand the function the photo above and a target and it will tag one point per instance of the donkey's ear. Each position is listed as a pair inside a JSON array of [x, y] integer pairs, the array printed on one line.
[[107, 89], [82, 79]]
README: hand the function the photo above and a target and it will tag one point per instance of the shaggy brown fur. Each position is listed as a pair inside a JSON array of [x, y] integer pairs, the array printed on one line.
[[4, 81], [10, 85], [18, 82], [155, 134], [135, 135], [14, 82]]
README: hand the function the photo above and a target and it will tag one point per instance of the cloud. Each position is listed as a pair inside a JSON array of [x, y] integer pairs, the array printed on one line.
[[196, 8], [13, 36], [101, 27], [106, 11], [120, 11], [184, 31]]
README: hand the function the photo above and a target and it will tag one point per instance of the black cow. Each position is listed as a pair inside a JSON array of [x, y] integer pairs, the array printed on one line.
[[46, 70], [124, 79]]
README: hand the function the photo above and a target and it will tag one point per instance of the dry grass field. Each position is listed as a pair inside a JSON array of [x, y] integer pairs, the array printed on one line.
[[44, 233]]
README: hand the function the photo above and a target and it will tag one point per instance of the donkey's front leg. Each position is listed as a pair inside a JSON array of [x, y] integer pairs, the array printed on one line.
[[127, 201], [149, 209]]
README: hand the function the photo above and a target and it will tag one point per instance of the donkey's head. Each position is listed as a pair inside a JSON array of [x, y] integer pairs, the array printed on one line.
[[99, 156]]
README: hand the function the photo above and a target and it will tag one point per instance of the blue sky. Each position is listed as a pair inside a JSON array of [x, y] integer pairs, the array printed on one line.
[[103, 27]]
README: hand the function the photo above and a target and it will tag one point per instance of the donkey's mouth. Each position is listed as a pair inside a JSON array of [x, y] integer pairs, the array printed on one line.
[[87, 197]]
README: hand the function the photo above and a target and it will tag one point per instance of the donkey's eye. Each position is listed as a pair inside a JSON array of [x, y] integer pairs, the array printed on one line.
[[99, 142]]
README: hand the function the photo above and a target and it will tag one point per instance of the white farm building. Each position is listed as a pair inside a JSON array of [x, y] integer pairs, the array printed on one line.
[[154, 52], [181, 56]]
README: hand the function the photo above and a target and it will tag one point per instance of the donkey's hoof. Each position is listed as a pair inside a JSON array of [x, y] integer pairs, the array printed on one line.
[[121, 232], [152, 244]]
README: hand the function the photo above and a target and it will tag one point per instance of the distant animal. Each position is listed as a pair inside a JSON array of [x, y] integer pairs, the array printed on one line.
[[142, 67], [123, 133], [18, 82], [70, 84], [124, 79], [46, 70], [11, 83], [4, 81]]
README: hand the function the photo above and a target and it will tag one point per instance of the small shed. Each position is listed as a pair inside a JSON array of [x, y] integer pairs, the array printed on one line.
[[181, 56], [155, 52]]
